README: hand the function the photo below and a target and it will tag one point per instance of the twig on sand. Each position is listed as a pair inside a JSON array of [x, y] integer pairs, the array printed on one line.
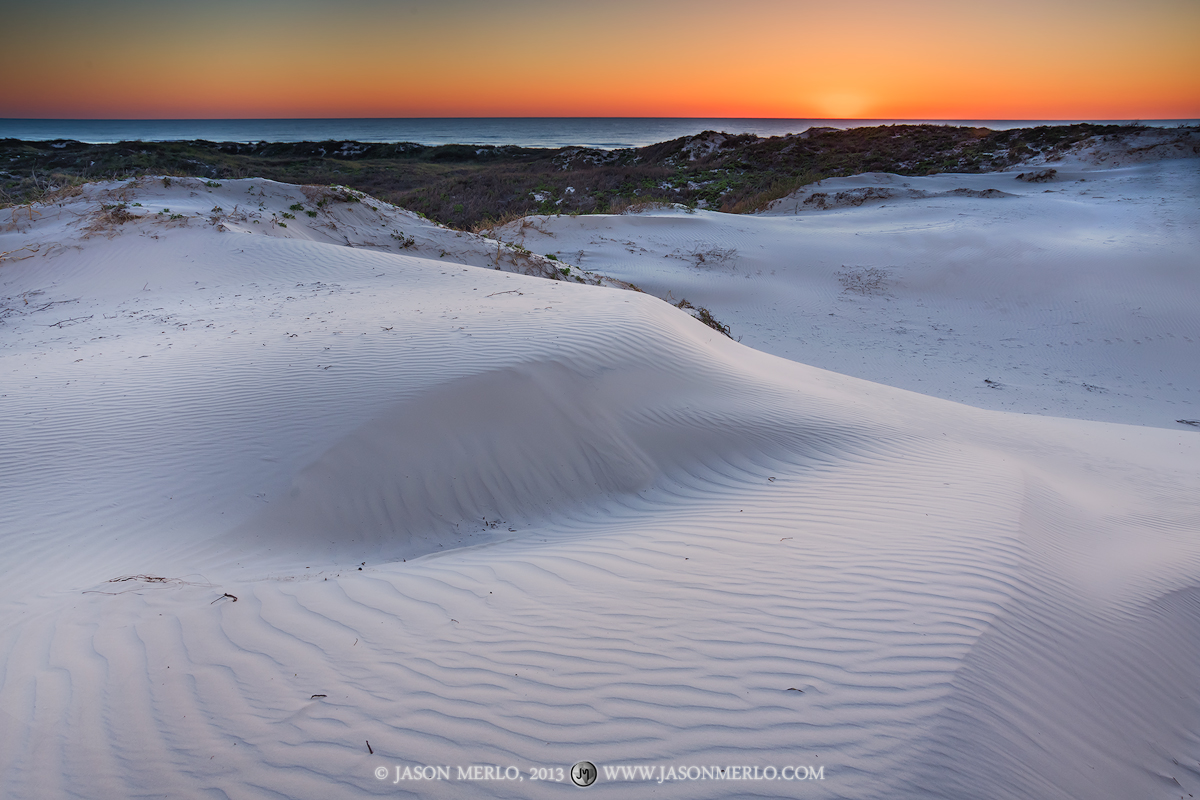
[[72, 319], [369, 750], [222, 597], [510, 291], [140, 579], [54, 303], [8, 253]]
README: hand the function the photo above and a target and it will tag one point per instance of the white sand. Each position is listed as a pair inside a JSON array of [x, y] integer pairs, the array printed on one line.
[[591, 526], [1075, 297]]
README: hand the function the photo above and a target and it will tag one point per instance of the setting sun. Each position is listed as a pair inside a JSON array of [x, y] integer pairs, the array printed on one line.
[[763, 58]]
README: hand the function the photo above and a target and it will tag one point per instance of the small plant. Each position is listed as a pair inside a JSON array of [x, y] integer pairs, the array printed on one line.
[[552, 257], [212, 184], [566, 271], [310, 212], [166, 182], [704, 315], [216, 210], [110, 216], [713, 255], [295, 207], [405, 241], [867, 281], [1038, 176], [339, 194], [286, 215]]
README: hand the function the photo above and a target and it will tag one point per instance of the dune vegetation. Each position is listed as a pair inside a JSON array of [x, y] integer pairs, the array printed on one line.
[[467, 186]]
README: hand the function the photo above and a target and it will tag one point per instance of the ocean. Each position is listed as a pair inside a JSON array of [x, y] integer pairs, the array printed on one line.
[[597, 132]]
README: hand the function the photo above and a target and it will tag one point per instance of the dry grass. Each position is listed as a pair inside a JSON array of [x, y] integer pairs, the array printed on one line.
[[761, 201], [47, 190], [866, 281], [704, 315], [322, 196], [488, 226], [628, 205], [107, 218]]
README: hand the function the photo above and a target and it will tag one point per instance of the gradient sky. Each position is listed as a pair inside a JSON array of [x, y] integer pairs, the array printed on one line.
[[933, 59]]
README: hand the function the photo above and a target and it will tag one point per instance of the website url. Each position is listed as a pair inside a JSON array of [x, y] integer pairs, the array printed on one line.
[[662, 773]]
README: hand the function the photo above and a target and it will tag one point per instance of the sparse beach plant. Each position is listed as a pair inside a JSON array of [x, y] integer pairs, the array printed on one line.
[[705, 316], [108, 217], [701, 313]]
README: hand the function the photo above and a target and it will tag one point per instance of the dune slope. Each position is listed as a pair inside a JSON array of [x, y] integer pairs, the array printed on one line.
[[1072, 294], [487, 518]]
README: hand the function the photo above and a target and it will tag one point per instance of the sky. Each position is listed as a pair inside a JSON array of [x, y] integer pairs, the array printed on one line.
[[880, 59]]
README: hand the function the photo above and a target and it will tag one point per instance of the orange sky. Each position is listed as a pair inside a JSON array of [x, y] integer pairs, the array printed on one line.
[[930, 59]]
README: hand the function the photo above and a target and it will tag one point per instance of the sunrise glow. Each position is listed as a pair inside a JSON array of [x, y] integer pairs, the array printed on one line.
[[762, 58]]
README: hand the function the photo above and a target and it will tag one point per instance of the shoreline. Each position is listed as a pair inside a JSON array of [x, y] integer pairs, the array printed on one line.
[[606, 133]]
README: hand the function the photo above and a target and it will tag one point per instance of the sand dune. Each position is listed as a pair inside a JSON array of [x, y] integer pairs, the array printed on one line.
[[486, 518], [1072, 297]]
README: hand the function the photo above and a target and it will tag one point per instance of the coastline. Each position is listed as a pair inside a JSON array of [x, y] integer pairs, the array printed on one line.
[[606, 133]]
